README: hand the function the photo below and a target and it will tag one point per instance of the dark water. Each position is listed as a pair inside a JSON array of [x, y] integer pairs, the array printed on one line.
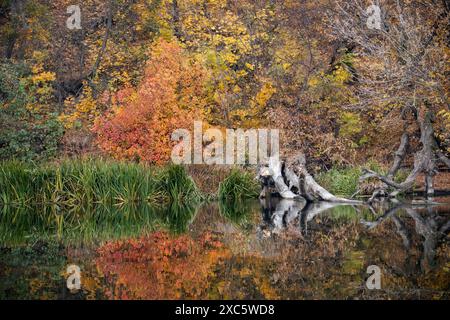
[[251, 250]]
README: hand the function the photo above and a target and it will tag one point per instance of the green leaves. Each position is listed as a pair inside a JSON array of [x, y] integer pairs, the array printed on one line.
[[238, 185], [25, 134]]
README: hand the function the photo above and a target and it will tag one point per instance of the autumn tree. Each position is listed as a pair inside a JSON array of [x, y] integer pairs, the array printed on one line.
[[404, 78], [171, 96], [233, 40], [106, 55]]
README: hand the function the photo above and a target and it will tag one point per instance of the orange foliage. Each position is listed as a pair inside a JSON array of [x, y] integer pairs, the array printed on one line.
[[171, 96], [160, 267]]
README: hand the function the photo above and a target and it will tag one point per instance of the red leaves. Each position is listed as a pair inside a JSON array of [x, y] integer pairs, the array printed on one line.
[[159, 266], [141, 127]]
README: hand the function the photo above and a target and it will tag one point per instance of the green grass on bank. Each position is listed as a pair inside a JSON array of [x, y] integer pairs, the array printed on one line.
[[80, 182], [345, 181], [238, 185], [73, 183]]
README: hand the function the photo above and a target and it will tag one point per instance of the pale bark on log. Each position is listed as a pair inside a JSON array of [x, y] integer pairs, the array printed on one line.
[[297, 176], [284, 191], [424, 162], [443, 159], [311, 189]]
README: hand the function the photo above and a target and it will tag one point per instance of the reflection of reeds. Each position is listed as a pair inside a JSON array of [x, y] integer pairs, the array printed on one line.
[[97, 223], [89, 224], [239, 212], [176, 217], [75, 183], [238, 185]]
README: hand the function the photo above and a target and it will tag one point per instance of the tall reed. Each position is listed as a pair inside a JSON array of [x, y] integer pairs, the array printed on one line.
[[238, 185], [80, 182], [174, 183]]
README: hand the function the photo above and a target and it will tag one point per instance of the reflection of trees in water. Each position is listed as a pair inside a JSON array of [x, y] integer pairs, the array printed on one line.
[[293, 250], [160, 266], [431, 227], [404, 242]]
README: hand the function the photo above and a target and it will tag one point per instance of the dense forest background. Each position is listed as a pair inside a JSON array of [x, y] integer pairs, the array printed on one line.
[[343, 93]]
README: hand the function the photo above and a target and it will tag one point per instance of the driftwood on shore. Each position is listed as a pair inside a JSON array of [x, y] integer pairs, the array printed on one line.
[[292, 180], [425, 161]]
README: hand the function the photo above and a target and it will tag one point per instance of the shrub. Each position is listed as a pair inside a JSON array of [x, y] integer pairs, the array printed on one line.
[[29, 130], [238, 185]]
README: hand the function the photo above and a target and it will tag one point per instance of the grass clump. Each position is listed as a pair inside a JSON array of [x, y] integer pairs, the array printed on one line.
[[343, 182], [238, 185], [98, 181], [80, 182], [174, 183]]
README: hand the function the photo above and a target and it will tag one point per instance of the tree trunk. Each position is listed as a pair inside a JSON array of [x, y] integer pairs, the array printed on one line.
[[424, 161], [399, 154]]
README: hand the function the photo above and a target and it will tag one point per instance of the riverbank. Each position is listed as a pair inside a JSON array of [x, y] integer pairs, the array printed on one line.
[[76, 183]]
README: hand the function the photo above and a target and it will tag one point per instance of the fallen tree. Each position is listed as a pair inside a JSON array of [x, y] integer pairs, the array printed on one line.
[[291, 180], [425, 161]]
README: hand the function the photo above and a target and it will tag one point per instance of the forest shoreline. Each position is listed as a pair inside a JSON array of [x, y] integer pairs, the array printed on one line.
[[74, 182]]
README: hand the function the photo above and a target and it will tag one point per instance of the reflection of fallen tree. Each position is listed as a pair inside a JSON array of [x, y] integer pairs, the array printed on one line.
[[305, 237], [294, 214], [431, 230]]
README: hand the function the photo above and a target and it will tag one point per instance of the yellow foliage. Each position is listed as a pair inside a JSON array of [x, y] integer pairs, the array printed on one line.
[[39, 83], [265, 94], [43, 77], [314, 81], [341, 75], [83, 109], [250, 66]]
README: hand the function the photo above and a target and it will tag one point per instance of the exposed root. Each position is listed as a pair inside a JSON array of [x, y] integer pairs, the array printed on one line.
[[424, 162]]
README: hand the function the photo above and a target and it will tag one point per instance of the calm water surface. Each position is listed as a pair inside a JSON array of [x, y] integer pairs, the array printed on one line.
[[251, 250]]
